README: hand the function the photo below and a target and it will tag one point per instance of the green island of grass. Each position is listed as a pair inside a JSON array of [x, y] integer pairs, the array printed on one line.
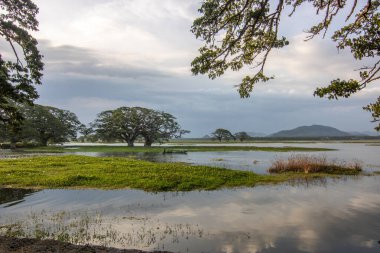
[[168, 149], [122, 173]]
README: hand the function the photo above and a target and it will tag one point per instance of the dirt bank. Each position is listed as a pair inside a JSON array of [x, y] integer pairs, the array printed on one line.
[[16, 245]]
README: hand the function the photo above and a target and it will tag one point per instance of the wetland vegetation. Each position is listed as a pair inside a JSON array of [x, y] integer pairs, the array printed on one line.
[[314, 164], [118, 173], [94, 227]]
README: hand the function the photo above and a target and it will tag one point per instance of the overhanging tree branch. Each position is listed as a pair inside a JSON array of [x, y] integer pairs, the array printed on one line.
[[243, 33]]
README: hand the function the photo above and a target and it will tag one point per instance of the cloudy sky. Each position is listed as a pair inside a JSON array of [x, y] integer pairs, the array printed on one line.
[[101, 55]]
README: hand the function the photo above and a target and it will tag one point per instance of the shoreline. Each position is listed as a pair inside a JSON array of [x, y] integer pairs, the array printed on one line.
[[27, 245]]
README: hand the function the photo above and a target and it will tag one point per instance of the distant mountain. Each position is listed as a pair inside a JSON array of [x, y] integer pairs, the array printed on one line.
[[311, 131]]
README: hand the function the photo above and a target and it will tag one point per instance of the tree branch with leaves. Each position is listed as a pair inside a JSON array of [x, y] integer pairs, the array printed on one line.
[[238, 33], [19, 74]]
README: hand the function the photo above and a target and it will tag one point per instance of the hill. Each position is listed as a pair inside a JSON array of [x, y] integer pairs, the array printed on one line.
[[311, 131]]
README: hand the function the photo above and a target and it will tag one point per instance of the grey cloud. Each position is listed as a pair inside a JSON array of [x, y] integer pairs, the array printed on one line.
[[203, 111], [71, 60]]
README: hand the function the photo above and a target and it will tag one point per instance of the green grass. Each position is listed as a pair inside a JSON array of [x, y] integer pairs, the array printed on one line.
[[119, 173], [168, 149]]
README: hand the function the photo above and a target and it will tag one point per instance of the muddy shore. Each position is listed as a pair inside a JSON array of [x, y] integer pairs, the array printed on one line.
[[17, 245]]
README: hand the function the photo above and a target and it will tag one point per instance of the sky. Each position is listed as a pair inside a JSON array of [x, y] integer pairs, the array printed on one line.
[[101, 55]]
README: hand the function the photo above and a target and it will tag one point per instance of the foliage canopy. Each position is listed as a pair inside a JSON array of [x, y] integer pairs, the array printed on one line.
[[21, 72], [242, 136], [128, 123], [43, 124], [222, 134], [243, 32]]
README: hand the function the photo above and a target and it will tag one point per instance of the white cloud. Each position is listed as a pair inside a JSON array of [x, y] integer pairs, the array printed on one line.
[[144, 32]]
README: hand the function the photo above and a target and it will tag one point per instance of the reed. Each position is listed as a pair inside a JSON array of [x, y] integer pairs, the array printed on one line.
[[314, 164]]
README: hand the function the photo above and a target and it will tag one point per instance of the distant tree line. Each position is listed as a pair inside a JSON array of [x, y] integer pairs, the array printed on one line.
[[45, 124], [222, 134]]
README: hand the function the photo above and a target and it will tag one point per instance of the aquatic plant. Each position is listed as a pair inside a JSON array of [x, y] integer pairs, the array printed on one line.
[[87, 227], [314, 164]]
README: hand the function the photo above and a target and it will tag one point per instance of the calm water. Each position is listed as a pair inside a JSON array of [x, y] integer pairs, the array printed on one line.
[[341, 215], [324, 216], [260, 161]]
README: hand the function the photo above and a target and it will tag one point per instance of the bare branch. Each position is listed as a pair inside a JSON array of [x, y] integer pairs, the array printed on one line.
[[352, 10]]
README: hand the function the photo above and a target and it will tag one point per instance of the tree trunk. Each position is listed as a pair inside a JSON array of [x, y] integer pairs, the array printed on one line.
[[44, 142], [13, 145], [131, 143], [148, 143], [13, 142]]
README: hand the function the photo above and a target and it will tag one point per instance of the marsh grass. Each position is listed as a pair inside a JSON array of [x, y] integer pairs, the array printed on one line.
[[314, 164], [87, 227], [81, 172], [174, 151], [119, 173]]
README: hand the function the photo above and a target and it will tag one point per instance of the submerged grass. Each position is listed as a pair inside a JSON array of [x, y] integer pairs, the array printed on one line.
[[118, 173], [169, 149], [314, 164]]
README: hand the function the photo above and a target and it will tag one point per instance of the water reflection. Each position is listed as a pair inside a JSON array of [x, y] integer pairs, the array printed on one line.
[[328, 216], [14, 196]]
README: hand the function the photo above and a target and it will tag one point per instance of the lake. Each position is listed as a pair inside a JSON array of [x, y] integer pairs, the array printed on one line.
[[260, 161], [326, 215]]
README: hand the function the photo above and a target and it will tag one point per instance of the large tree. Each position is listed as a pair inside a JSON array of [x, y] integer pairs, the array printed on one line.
[[242, 136], [21, 67], [123, 124], [127, 123], [159, 127], [240, 33], [42, 124], [45, 124], [222, 134]]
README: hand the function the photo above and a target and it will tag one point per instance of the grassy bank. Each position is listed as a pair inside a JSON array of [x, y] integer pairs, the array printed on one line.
[[119, 173], [110, 149]]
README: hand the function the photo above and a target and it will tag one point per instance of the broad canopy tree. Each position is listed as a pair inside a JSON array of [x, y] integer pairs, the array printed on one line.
[[242, 136], [124, 124], [222, 134], [159, 127], [240, 33], [43, 124], [128, 123], [21, 70]]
